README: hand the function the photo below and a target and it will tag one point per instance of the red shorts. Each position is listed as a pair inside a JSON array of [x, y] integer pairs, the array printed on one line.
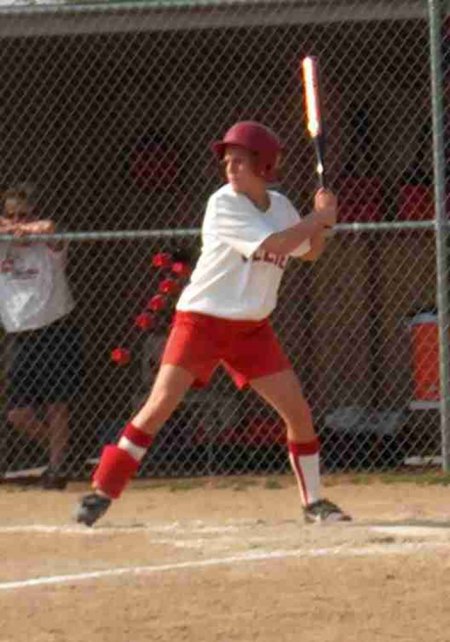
[[246, 349]]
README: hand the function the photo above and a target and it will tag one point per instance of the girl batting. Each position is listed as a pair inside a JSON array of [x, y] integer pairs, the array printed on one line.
[[222, 317]]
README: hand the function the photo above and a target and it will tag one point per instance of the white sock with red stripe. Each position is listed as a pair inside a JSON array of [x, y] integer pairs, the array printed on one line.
[[304, 458], [135, 441]]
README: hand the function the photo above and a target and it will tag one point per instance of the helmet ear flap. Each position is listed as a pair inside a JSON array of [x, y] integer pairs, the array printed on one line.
[[270, 169]]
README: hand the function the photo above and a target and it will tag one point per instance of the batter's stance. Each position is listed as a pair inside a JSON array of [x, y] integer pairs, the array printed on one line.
[[222, 317]]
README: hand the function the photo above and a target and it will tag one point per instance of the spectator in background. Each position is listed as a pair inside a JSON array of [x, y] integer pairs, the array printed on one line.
[[44, 356]]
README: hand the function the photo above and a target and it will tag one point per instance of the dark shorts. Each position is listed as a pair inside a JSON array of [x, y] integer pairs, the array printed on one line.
[[45, 365]]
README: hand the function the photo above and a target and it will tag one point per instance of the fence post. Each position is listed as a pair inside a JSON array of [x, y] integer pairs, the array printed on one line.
[[441, 228]]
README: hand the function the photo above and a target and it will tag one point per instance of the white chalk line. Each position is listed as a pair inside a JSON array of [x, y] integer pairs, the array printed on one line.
[[205, 528], [375, 550], [45, 529], [82, 530]]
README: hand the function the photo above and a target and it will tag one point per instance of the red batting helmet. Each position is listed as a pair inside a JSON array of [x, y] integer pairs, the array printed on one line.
[[255, 138]]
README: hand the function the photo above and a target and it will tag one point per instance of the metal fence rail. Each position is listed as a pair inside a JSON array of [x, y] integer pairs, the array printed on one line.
[[107, 112]]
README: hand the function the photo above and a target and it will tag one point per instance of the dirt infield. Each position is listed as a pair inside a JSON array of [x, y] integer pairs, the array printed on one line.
[[226, 560]]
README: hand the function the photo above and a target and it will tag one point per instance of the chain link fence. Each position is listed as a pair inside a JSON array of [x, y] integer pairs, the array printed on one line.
[[107, 111]]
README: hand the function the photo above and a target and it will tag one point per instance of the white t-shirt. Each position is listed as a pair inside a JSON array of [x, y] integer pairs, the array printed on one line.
[[33, 288], [232, 278]]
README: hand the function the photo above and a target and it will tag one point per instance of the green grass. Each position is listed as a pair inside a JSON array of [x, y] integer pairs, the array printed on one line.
[[185, 484], [427, 478], [243, 484], [272, 484], [422, 477]]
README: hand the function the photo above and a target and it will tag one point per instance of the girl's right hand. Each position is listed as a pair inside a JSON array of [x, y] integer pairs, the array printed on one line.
[[325, 207]]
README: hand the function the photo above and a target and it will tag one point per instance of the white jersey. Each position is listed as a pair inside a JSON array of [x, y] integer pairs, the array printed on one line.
[[233, 279], [33, 287]]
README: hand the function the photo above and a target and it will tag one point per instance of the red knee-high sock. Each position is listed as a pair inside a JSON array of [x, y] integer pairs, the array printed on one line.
[[118, 463], [304, 458]]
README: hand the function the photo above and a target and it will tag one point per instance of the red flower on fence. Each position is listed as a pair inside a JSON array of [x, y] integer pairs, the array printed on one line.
[[157, 303], [181, 269], [168, 286], [162, 260], [143, 321], [121, 356]]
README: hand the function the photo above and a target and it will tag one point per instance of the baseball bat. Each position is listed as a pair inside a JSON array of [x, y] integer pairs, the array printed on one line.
[[314, 124]]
